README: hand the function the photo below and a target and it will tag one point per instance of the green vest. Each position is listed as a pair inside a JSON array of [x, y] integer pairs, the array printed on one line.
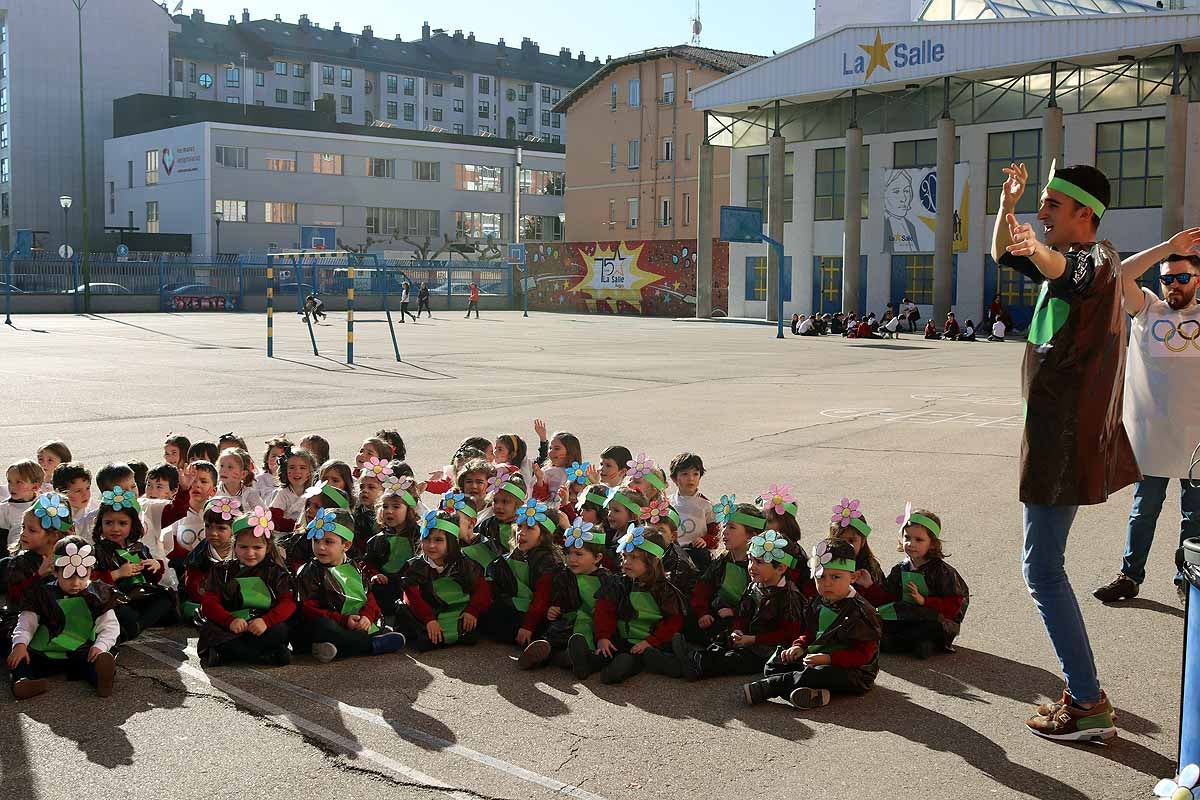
[[256, 598], [583, 625], [189, 610], [825, 619], [480, 553], [452, 595], [399, 552], [132, 559], [520, 571], [350, 581], [734, 581], [647, 615], [888, 611], [506, 535], [78, 630]]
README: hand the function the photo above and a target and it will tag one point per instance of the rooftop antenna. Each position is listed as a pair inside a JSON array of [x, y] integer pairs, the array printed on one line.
[[696, 26]]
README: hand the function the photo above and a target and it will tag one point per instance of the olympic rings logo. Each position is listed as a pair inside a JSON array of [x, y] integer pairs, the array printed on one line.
[[1174, 329]]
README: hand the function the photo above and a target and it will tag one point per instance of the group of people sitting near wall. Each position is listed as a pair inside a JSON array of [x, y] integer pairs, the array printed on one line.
[[903, 317]]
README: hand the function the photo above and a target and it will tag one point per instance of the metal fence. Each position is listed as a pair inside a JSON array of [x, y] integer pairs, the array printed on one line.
[[183, 283]]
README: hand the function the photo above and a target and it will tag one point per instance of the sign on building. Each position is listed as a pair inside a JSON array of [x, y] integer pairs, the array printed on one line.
[[910, 208]]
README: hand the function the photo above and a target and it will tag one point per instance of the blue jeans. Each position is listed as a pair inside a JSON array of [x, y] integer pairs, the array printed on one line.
[[1043, 557], [1148, 498]]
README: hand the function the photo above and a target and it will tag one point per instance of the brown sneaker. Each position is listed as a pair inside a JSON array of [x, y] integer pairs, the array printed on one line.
[[1122, 588], [29, 687], [1050, 709], [1070, 723], [106, 670], [536, 654]]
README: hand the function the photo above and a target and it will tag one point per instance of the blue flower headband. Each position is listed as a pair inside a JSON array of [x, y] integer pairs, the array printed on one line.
[[431, 522], [533, 514], [577, 473], [117, 498], [326, 522], [635, 537], [581, 533], [52, 511], [456, 503], [771, 547], [726, 512]]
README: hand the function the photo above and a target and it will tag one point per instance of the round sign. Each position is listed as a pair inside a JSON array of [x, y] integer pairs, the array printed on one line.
[[122, 250], [285, 274], [206, 80], [65, 251]]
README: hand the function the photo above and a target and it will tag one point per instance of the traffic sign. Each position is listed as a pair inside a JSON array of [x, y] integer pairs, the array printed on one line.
[[65, 251], [516, 253], [122, 250]]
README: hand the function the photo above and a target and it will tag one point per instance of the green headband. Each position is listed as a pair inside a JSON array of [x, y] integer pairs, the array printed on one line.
[[651, 548], [403, 494], [844, 564], [633, 507], [750, 522], [341, 530], [1076, 193], [337, 496], [927, 523], [596, 496], [443, 525], [673, 515], [655, 481], [515, 491], [241, 524], [545, 522], [860, 526]]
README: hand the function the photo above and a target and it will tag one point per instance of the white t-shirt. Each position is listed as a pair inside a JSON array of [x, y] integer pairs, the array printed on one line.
[[1162, 382], [998, 329], [695, 512], [805, 325], [892, 324], [266, 485], [10, 520], [968, 330]]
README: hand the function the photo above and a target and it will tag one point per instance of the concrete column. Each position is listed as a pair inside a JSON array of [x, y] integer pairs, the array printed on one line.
[[774, 221], [943, 233], [1052, 141], [852, 226], [516, 198], [705, 213], [1175, 176]]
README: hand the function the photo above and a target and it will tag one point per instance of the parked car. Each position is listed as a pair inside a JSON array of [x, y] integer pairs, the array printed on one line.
[[198, 297], [99, 288], [6, 288]]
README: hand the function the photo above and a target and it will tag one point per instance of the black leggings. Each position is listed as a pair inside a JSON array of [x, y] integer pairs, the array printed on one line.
[[255, 649], [782, 679], [418, 637], [143, 612], [901, 636], [423, 305], [717, 660], [75, 665]]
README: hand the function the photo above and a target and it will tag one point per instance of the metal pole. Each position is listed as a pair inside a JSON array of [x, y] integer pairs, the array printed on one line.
[[350, 311], [66, 225], [777, 246], [87, 272], [8, 289], [217, 254], [524, 291], [245, 83], [388, 312], [271, 309]]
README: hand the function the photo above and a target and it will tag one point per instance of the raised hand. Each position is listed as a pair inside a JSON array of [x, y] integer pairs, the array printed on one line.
[[1185, 243], [1014, 185], [1024, 240]]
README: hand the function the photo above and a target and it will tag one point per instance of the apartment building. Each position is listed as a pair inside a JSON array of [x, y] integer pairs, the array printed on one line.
[[633, 157]]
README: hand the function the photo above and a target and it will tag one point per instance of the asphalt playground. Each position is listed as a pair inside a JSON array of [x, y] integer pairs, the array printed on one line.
[[937, 423]]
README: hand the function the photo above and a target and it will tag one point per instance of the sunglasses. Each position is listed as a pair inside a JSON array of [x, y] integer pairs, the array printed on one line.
[[1184, 279]]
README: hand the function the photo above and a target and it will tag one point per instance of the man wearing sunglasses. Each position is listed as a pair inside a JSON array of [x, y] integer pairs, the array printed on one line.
[[1162, 382]]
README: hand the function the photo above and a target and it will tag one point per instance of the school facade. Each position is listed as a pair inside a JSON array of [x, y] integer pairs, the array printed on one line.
[[916, 121]]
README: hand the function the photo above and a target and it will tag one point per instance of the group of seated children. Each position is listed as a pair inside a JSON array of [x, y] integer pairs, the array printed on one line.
[[595, 569]]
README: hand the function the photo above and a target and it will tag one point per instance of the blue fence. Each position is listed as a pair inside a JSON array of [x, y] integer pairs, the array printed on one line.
[[225, 284]]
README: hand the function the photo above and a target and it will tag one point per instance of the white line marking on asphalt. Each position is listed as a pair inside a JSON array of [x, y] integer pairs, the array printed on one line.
[[288, 719], [403, 731]]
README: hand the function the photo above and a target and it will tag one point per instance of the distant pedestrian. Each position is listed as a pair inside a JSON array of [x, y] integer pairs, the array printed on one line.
[[423, 300], [474, 304], [404, 301]]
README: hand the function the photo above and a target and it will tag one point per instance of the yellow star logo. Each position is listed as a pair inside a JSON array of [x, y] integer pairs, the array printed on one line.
[[878, 53]]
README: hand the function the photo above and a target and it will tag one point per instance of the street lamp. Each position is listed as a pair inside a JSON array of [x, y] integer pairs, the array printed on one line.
[[65, 202], [217, 217], [86, 266]]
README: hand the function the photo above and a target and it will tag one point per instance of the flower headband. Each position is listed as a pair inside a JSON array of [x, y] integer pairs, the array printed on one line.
[[642, 467], [577, 472], [822, 559], [431, 522], [581, 533], [726, 512], [635, 538], [117, 498], [658, 509], [909, 518], [596, 495], [627, 502], [456, 503], [326, 522], [847, 515], [52, 512], [778, 499], [227, 507], [771, 547], [76, 560], [375, 467], [533, 514], [259, 520], [332, 492], [501, 483], [402, 488]]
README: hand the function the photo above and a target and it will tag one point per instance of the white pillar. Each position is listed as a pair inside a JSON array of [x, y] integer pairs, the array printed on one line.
[[852, 236]]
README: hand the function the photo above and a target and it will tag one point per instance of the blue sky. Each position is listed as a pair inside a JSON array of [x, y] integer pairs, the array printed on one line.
[[615, 27]]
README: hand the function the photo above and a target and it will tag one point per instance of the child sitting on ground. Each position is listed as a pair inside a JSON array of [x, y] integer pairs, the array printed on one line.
[[125, 563], [49, 456], [715, 599], [521, 580], [297, 468], [390, 550], [25, 479], [681, 572], [849, 523], [698, 530], [46, 521], [217, 548], [839, 648]]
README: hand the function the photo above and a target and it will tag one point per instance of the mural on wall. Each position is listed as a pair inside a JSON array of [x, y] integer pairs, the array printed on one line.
[[910, 209], [647, 278]]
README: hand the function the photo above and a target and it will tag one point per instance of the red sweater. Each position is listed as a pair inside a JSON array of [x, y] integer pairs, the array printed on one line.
[[785, 633], [481, 600], [539, 604], [947, 606], [604, 623], [859, 655], [210, 604], [311, 608]]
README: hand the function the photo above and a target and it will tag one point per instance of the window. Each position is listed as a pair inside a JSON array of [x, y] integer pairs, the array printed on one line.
[[478, 225], [151, 167], [298, 70], [236, 157], [687, 206], [426, 171], [260, 79], [280, 69], [830, 183], [542, 182], [612, 211], [3, 100], [327, 75], [631, 204], [281, 95], [233, 77], [557, 95], [555, 139], [541, 229], [612, 157], [327, 164], [635, 154], [437, 114], [129, 183], [485, 84], [4, 173], [392, 83], [176, 68], [478, 178], [545, 94], [485, 109], [393, 109], [758, 178], [191, 72], [458, 128], [664, 212], [347, 77], [756, 278], [410, 86], [300, 98], [687, 83], [279, 212], [458, 104], [687, 147], [523, 91], [612, 96], [668, 87], [3, 134], [1020, 146], [281, 162], [918, 285], [458, 81], [260, 102], [404, 222], [545, 119], [1132, 155], [410, 112], [555, 120], [668, 148], [381, 167], [152, 216], [437, 89], [635, 93], [5, 209], [232, 99], [231, 210], [347, 104], [917, 153]]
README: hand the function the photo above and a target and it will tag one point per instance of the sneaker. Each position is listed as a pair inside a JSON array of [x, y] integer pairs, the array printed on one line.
[[324, 651], [382, 643], [621, 667], [29, 687], [1069, 723], [580, 655], [106, 669], [1052, 708], [1122, 588], [210, 659], [662, 663], [536, 654], [687, 658], [805, 697], [755, 692]]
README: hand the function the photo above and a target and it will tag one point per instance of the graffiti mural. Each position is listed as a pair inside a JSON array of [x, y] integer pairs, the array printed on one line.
[[646, 278]]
